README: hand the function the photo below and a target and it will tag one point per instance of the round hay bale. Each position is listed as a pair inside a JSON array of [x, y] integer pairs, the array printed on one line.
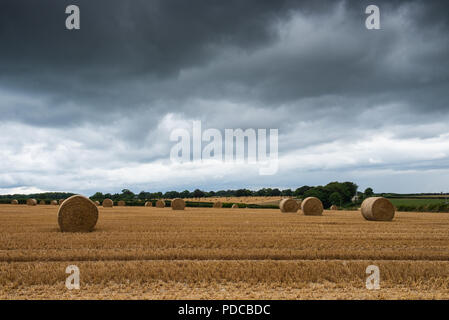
[[288, 205], [32, 202], [97, 203], [121, 203], [148, 204], [160, 204], [60, 201], [108, 203], [178, 204], [218, 204], [312, 206], [42, 202], [14, 202], [377, 209], [77, 214], [333, 207], [54, 202], [235, 206]]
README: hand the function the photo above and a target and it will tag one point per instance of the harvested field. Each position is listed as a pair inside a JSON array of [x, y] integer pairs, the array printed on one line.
[[158, 253]]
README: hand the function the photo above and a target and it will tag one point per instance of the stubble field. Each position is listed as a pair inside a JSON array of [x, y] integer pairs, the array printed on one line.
[[205, 253]]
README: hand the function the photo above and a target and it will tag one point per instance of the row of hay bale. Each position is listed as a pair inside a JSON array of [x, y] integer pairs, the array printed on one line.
[[108, 203], [80, 214], [310, 206], [219, 205], [373, 209], [33, 202]]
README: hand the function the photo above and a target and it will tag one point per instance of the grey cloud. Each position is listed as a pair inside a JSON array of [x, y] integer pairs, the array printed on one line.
[[309, 68], [127, 57]]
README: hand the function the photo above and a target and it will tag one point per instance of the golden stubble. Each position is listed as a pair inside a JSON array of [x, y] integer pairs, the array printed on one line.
[[158, 253]]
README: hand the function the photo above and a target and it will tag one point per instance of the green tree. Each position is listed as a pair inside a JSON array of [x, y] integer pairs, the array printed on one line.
[[116, 197], [127, 194], [171, 194], [98, 196], [243, 193], [198, 193], [300, 191], [185, 194], [143, 195], [156, 195], [368, 192], [335, 198], [350, 190]]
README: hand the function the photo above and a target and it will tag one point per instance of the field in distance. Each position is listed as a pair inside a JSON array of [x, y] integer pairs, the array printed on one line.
[[246, 200], [416, 202], [205, 253]]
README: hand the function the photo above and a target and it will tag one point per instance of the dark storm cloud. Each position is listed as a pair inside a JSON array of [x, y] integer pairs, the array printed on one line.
[[130, 53], [119, 42], [129, 37]]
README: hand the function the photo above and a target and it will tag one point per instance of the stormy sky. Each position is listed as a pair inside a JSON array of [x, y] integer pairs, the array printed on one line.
[[92, 109]]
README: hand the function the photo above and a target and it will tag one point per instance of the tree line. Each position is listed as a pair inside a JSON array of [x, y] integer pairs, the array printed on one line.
[[338, 193], [40, 196]]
